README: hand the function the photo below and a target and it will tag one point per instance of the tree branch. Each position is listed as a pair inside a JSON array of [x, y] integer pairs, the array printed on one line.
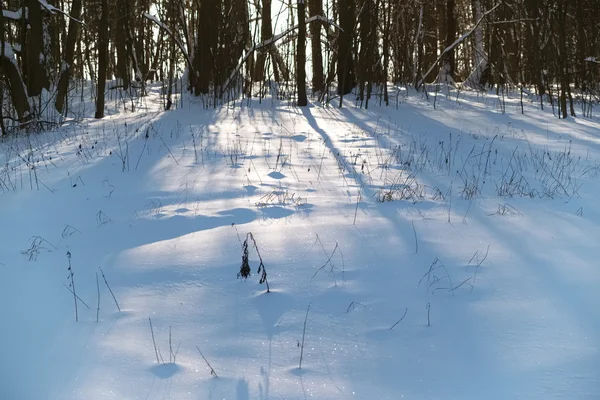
[[270, 41], [172, 35], [456, 43]]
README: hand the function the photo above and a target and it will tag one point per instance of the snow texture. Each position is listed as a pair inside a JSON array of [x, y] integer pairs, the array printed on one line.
[[446, 253]]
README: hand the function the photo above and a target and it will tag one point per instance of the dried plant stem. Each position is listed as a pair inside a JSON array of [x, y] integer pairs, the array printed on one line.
[[212, 370], [428, 306], [98, 308], [358, 198], [416, 240], [397, 322], [71, 275], [170, 347], [303, 336], [110, 290], [78, 298], [154, 341]]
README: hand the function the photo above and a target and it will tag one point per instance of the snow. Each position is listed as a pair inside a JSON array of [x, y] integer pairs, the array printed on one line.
[[161, 201], [14, 15], [49, 7]]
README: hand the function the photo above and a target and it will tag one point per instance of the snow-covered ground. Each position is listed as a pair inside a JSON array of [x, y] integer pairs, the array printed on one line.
[[447, 253]]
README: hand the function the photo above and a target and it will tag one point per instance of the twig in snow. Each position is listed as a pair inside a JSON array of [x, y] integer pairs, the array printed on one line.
[[154, 341], [72, 285], [326, 262], [478, 264], [237, 232], [69, 231], [110, 290], [416, 241], [397, 322], [98, 308], [303, 335], [352, 306], [78, 298], [432, 279], [212, 371], [358, 198], [428, 306], [245, 270]]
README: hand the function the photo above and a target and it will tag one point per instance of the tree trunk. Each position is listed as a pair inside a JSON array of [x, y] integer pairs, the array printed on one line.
[[479, 57], [301, 55], [386, 51], [120, 42], [207, 47], [562, 57], [364, 57], [448, 66], [102, 60], [266, 32], [315, 7], [36, 74], [132, 55], [345, 62], [65, 76], [18, 91]]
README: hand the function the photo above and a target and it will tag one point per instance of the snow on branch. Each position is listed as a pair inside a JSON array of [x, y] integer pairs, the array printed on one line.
[[272, 40], [13, 15], [53, 10], [456, 43], [49, 7], [7, 51], [592, 60], [325, 20], [161, 25]]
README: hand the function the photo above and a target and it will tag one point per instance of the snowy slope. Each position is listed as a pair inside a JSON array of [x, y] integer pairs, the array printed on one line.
[[491, 234]]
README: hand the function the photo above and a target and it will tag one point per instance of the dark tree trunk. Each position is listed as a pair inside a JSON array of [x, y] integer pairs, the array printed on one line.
[[315, 7], [562, 56], [301, 55], [429, 36], [207, 47], [450, 59], [345, 62], [36, 74], [65, 76], [364, 56], [102, 60], [120, 41], [386, 51]]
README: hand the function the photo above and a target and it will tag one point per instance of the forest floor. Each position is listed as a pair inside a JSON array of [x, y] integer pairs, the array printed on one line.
[[445, 253]]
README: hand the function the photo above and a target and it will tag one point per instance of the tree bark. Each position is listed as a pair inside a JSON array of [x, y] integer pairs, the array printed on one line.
[[18, 90], [67, 67], [315, 7], [120, 42], [301, 55], [102, 60], [36, 74], [209, 14], [448, 66], [345, 62]]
